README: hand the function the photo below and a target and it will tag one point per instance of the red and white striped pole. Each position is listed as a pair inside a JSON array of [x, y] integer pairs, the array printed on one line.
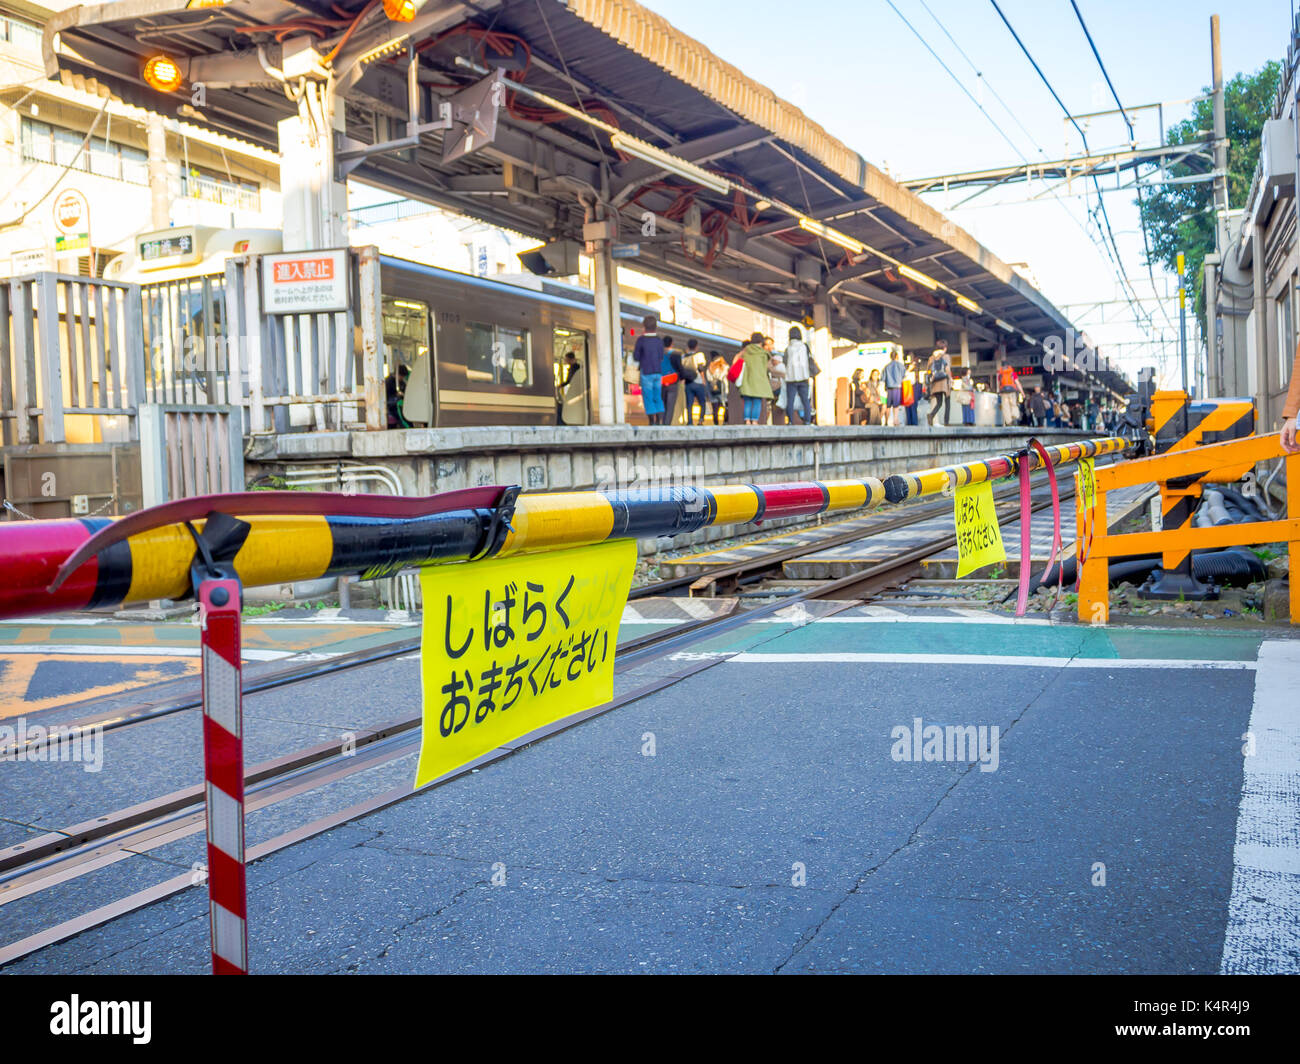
[[223, 771]]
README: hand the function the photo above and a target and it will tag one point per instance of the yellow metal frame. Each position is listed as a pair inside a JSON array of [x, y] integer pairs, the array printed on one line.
[[1094, 582]]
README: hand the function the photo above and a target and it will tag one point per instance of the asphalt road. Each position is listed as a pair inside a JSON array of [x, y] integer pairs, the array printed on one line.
[[768, 815]]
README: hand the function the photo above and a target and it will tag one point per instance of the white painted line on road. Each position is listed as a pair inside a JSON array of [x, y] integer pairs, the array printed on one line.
[[109, 650], [985, 660], [1263, 933]]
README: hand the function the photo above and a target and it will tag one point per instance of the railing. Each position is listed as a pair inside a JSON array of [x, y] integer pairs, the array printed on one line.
[[1098, 546], [79, 355], [309, 371], [70, 360], [213, 190], [188, 350]]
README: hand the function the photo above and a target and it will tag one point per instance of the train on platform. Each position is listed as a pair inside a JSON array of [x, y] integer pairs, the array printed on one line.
[[460, 350]]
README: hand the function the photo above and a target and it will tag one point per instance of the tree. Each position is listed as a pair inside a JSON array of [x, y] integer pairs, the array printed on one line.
[[1180, 217]]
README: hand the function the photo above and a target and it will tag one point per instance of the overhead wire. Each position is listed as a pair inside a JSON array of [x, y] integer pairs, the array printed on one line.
[[1125, 282], [1096, 240], [1142, 224]]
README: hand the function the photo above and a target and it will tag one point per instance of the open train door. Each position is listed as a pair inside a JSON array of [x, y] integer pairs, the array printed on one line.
[[572, 377]]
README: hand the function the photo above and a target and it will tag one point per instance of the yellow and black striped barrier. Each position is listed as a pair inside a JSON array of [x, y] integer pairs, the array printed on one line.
[[49, 566]]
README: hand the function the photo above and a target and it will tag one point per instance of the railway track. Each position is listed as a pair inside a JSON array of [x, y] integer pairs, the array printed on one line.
[[59, 857]]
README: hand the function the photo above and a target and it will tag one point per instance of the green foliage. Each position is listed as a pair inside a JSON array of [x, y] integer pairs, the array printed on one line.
[[1264, 554], [1178, 217]]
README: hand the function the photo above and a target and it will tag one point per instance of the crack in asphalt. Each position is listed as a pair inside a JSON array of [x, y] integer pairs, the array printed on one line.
[[807, 939]]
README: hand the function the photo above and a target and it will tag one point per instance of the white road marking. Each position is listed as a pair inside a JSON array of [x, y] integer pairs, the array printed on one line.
[[109, 650], [1263, 933], [985, 660]]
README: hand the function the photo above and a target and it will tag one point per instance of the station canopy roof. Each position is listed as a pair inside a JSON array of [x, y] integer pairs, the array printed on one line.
[[758, 203]]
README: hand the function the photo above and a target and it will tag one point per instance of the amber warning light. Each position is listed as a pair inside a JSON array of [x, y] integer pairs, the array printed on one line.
[[162, 74]]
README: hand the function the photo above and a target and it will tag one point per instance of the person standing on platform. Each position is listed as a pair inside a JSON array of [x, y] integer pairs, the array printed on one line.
[[798, 375], [895, 371], [715, 378], [873, 392], [1037, 408], [673, 371], [696, 390], [649, 357], [914, 407], [1010, 392], [938, 372], [755, 386]]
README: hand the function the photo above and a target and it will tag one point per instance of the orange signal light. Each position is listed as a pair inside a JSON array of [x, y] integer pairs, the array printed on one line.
[[163, 74], [401, 10]]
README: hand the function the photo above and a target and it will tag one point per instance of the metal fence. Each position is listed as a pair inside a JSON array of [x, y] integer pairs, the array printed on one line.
[[310, 371], [70, 360], [189, 355], [80, 355]]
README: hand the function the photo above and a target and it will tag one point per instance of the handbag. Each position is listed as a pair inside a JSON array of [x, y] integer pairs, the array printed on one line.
[[907, 392], [737, 368]]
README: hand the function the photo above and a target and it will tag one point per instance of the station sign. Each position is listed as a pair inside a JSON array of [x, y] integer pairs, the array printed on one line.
[[625, 251], [305, 282], [167, 248]]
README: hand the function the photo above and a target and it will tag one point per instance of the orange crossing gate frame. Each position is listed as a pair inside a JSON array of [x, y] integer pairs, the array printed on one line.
[[1184, 466]]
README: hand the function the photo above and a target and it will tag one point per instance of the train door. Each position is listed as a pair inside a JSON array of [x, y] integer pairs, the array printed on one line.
[[408, 349], [572, 376]]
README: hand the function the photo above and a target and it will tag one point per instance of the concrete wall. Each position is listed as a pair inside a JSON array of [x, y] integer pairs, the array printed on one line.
[[543, 458]]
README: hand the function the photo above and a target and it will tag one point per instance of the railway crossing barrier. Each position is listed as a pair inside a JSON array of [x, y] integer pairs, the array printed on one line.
[[1183, 469], [212, 547]]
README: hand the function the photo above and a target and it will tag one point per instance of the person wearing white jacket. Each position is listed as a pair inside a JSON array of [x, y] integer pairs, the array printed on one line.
[[798, 374]]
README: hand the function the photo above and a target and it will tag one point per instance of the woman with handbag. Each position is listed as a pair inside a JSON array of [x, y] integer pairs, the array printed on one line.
[[938, 373], [873, 398]]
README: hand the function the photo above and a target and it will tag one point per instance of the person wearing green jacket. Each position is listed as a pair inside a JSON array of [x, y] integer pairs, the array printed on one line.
[[755, 386]]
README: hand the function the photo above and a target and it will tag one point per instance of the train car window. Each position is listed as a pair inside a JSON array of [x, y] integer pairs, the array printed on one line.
[[498, 354]]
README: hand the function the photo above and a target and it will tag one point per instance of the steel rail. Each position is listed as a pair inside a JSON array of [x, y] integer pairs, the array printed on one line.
[[62, 856]]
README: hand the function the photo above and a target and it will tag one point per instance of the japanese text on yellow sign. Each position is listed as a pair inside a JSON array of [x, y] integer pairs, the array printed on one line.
[[1086, 483], [979, 540], [1085, 494], [514, 644]]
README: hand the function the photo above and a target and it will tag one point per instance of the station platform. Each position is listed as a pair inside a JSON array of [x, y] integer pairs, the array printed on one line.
[[762, 807]]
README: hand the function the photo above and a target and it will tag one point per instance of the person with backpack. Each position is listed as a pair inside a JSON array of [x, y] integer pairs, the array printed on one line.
[[938, 376], [755, 385], [895, 371], [696, 390], [648, 354]]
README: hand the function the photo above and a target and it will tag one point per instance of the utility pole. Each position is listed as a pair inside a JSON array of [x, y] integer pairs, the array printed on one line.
[[1220, 192], [1182, 318]]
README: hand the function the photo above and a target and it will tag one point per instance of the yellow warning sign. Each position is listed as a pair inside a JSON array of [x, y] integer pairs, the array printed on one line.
[[514, 644], [1085, 480], [1085, 496], [979, 540]]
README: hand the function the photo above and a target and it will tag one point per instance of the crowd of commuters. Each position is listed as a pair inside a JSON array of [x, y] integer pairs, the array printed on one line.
[[767, 383]]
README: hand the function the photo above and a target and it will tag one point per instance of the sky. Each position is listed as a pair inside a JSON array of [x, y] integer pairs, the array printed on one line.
[[855, 67]]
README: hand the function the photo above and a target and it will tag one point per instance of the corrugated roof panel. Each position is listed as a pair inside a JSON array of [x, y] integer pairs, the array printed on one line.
[[655, 38]]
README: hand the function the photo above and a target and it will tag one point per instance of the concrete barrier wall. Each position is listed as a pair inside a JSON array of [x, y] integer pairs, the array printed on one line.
[[540, 458]]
